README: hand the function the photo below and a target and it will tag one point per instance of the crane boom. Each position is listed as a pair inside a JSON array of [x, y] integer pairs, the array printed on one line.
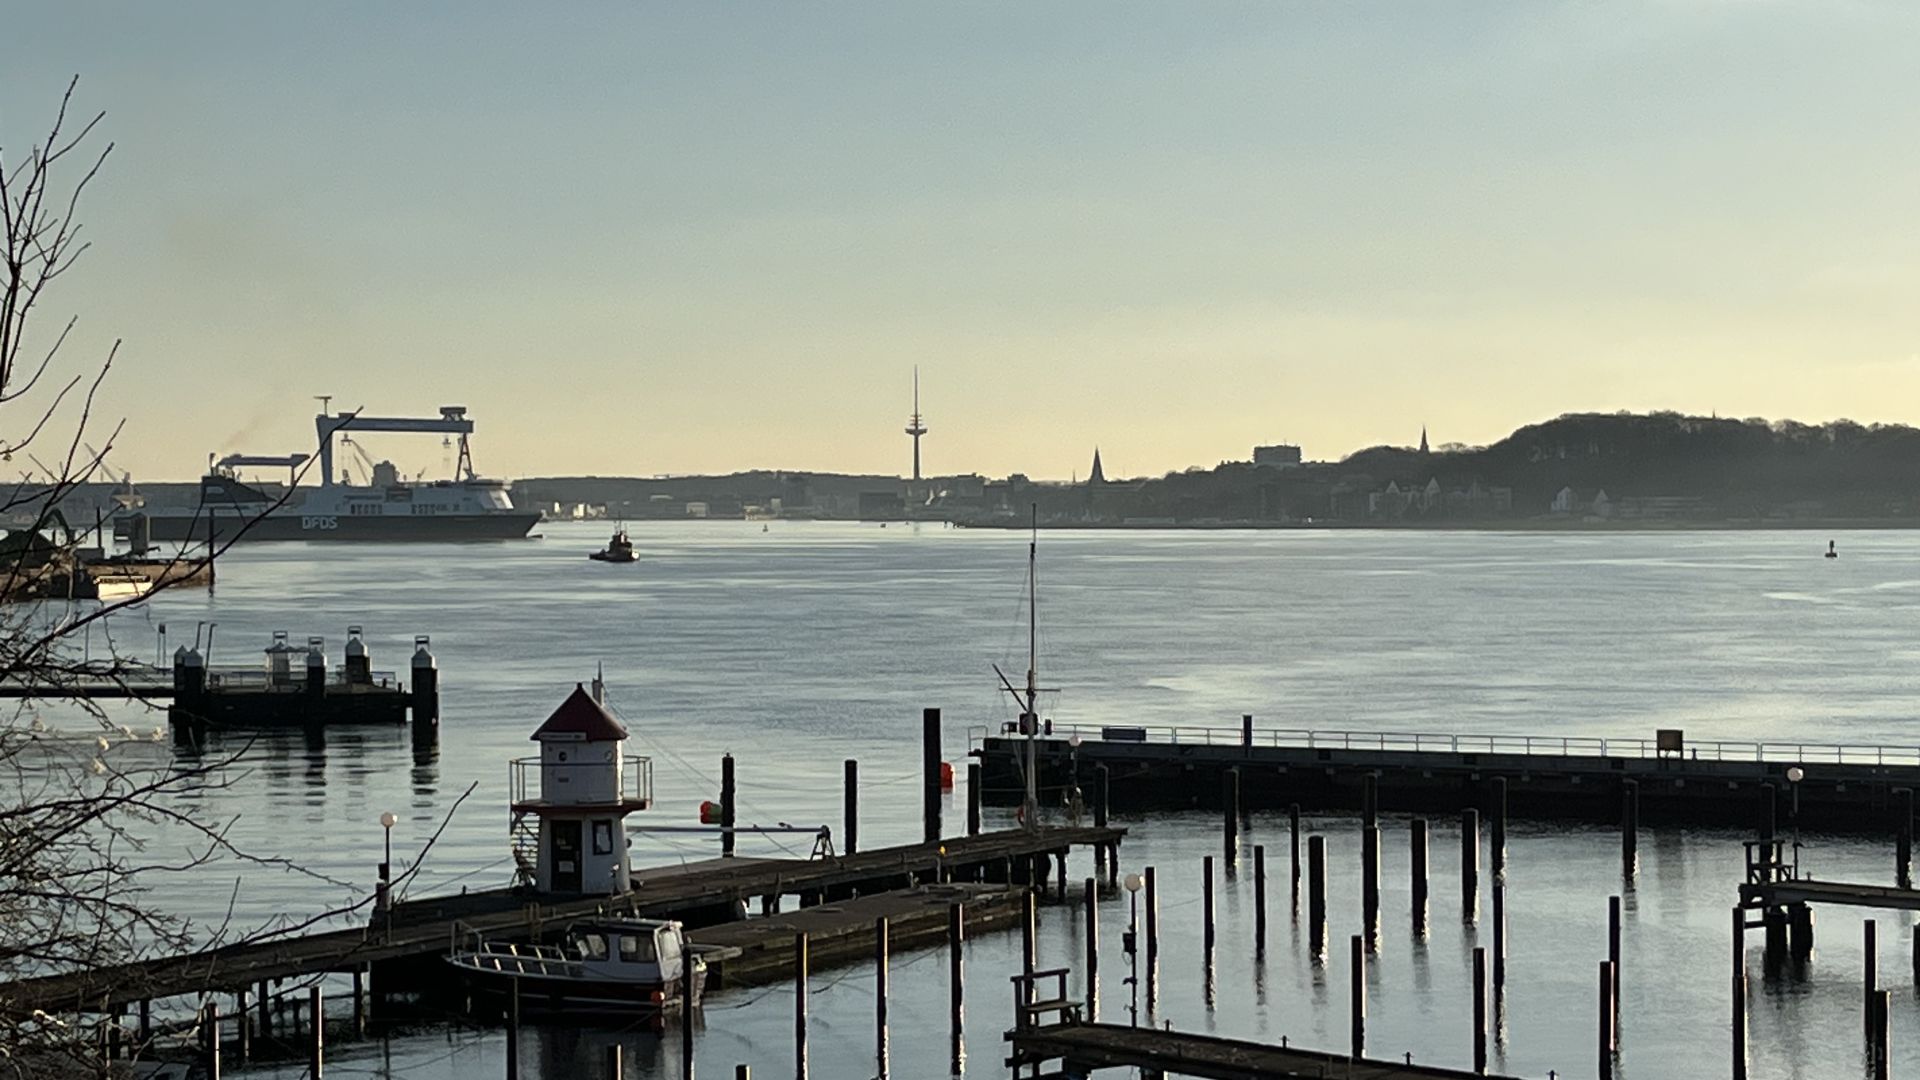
[[452, 421]]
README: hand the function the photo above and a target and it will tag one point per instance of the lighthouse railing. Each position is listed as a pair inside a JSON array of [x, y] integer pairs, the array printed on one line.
[[579, 783]]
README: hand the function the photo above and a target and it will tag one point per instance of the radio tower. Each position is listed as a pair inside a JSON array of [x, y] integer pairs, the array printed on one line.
[[915, 427]]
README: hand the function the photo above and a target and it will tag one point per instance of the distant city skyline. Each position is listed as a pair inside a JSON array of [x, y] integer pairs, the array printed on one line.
[[646, 239]]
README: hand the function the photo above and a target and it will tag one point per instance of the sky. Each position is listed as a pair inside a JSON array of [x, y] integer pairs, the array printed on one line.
[[640, 238]]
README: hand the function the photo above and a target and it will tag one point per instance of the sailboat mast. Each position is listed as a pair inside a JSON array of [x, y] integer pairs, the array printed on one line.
[[1031, 807]]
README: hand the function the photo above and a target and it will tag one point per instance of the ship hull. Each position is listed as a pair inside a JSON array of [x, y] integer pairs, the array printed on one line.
[[388, 528]]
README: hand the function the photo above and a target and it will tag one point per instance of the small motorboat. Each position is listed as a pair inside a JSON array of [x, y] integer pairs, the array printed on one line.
[[619, 549], [614, 964]]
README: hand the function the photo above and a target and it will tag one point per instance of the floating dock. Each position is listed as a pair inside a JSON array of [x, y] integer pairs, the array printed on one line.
[[1841, 787], [1158, 1052]]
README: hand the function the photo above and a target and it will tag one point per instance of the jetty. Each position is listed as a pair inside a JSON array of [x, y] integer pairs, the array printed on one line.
[[1673, 780], [1158, 1052]]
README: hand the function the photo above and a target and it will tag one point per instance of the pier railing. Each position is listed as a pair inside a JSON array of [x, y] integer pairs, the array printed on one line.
[[1427, 742]]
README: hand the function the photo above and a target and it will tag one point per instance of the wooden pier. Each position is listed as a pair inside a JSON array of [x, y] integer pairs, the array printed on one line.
[[1159, 1052], [403, 952], [1842, 787]]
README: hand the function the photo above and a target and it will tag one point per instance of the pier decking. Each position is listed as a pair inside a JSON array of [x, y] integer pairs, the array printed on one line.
[[1845, 787], [419, 933], [1162, 1052]]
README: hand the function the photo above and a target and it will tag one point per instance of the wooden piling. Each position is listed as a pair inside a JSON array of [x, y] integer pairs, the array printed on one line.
[[973, 798], [1499, 937], [799, 1007], [1230, 813], [1613, 957], [616, 1067], [1769, 810], [242, 1027], [210, 1039], [1470, 864], [1357, 994], [742, 1072], [316, 1036], [882, 1051], [1206, 906], [930, 774], [146, 1007], [1497, 850], [1153, 924], [1370, 852], [1903, 837], [1418, 846], [1606, 1019], [1480, 1011], [1881, 1047], [513, 1028], [686, 1014], [1093, 950], [360, 1002], [1293, 830], [956, 989], [1317, 892], [1101, 854], [1629, 828], [728, 798], [1869, 973], [1246, 731], [1259, 900], [1739, 1025], [266, 1011], [850, 808]]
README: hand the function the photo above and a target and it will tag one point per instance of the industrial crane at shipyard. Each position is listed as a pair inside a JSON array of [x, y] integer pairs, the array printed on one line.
[[465, 507]]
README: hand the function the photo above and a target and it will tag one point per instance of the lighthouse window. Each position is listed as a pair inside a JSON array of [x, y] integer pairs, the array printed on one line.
[[603, 838]]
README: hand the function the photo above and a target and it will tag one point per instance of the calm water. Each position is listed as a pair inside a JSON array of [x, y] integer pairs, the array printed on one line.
[[810, 643]]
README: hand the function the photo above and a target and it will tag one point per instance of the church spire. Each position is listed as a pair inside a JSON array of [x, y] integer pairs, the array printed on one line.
[[1423, 438], [1098, 475]]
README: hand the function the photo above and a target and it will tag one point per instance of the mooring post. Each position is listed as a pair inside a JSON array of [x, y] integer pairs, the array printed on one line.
[[266, 1012], [973, 798], [210, 1033], [316, 1037], [146, 1007], [930, 774], [1293, 831], [1029, 934], [1369, 800], [850, 808], [360, 1002], [1317, 893], [1206, 906], [1613, 957], [1606, 1019], [1357, 993], [1903, 837], [956, 988], [1093, 951], [241, 1026], [882, 1052], [1470, 864], [742, 1072], [1769, 810], [1870, 972], [728, 799], [1230, 813], [616, 1067], [513, 1028], [1882, 1040], [686, 1014], [1153, 924], [1246, 731], [1629, 828], [1739, 994], [1259, 899], [1499, 937], [800, 1007], [1370, 853], [1102, 776], [1418, 855], [1480, 1011], [1498, 851]]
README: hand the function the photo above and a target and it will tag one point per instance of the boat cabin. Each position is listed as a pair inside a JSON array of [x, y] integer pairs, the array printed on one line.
[[630, 950]]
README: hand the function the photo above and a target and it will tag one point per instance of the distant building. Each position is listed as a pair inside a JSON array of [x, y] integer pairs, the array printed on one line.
[[882, 506], [1282, 456], [1098, 475]]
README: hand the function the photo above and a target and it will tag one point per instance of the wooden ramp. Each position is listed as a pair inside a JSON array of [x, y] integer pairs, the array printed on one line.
[[1151, 1050], [1808, 891], [761, 949]]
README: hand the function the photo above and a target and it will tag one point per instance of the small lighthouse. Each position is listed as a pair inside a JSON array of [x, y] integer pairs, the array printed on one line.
[[571, 802]]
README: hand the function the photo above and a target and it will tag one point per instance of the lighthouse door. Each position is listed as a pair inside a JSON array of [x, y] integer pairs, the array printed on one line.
[[566, 856]]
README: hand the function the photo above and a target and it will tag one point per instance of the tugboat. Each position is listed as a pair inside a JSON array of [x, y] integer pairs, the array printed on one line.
[[619, 549], [614, 964]]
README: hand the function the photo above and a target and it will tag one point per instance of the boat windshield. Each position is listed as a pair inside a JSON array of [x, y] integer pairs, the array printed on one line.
[[592, 946], [637, 948]]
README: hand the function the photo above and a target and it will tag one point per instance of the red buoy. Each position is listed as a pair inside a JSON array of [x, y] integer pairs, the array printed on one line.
[[946, 776], [709, 812]]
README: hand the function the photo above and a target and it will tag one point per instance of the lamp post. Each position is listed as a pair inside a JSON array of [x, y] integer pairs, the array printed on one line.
[[384, 897], [1795, 774], [1130, 941]]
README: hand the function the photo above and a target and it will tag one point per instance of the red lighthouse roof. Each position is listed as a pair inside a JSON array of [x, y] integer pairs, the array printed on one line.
[[580, 719]]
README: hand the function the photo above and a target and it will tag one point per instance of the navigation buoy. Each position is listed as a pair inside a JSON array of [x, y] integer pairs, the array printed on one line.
[[1831, 552], [946, 776], [709, 812]]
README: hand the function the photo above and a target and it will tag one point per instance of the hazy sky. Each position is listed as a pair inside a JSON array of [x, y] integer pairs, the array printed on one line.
[[641, 238]]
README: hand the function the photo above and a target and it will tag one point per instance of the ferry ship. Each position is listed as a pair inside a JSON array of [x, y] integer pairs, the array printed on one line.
[[467, 507]]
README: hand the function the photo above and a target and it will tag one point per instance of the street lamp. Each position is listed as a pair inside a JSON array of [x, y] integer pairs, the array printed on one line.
[[1795, 774], [383, 894], [1129, 942]]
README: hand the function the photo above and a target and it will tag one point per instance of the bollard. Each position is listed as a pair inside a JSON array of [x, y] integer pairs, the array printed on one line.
[[850, 809], [1317, 892], [1419, 860], [1480, 1011], [1613, 957], [1470, 865], [956, 989], [1739, 994], [615, 1067], [973, 799], [1497, 853], [1606, 1019], [1629, 828], [800, 1007], [1869, 974], [1230, 813], [1093, 950], [1259, 900], [1357, 993], [1903, 837], [513, 1028], [930, 774], [882, 1056], [1206, 906], [316, 1044], [728, 794], [1499, 937]]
